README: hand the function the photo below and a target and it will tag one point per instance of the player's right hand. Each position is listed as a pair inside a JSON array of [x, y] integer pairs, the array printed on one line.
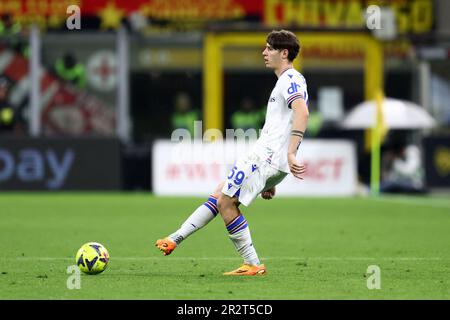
[[268, 194], [296, 169]]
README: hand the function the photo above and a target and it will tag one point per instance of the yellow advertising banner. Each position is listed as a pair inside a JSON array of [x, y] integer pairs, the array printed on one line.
[[333, 55], [412, 16]]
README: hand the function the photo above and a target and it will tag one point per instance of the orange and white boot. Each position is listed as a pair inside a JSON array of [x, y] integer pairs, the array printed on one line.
[[165, 245], [248, 270]]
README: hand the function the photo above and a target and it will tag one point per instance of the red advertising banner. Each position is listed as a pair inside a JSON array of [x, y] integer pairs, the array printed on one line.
[[412, 16]]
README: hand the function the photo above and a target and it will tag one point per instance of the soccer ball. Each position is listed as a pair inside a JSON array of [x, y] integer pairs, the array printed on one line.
[[92, 258]]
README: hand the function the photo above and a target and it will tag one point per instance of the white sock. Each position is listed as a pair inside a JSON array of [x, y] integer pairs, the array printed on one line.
[[239, 234], [197, 220]]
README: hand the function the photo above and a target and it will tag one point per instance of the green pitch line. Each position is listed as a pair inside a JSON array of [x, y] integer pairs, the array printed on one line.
[[313, 248]]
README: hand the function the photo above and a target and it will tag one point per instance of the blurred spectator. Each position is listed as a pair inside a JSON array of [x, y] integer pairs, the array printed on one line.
[[11, 116], [12, 34], [315, 121], [69, 69], [247, 117], [402, 170], [6, 110], [9, 28], [184, 115]]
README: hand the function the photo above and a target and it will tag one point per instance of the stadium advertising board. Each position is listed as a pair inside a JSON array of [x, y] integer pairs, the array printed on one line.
[[318, 55], [197, 169], [59, 164], [437, 162], [413, 16]]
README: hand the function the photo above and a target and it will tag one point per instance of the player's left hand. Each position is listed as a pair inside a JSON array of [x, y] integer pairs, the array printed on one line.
[[268, 194], [296, 169]]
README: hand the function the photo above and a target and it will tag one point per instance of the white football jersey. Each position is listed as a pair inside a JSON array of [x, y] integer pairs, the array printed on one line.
[[275, 135]]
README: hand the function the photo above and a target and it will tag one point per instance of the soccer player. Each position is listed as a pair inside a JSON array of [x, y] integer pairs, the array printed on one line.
[[270, 160]]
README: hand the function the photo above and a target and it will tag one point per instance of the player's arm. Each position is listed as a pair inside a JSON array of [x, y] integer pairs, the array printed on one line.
[[299, 123]]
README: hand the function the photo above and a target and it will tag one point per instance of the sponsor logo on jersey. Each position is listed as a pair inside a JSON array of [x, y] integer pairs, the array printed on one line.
[[269, 158], [293, 88]]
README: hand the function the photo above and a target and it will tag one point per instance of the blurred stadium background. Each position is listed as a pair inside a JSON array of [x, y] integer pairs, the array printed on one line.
[[93, 108], [136, 70]]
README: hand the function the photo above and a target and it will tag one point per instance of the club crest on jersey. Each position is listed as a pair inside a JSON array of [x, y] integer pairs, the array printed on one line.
[[293, 88]]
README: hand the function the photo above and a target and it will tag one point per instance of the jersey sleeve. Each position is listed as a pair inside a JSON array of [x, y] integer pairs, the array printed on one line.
[[293, 89]]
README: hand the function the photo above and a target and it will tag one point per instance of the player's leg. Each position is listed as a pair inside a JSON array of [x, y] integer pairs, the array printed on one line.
[[197, 220], [263, 179], [239, 234]]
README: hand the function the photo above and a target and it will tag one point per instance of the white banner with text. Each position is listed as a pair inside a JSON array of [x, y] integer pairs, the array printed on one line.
[[195, 168]]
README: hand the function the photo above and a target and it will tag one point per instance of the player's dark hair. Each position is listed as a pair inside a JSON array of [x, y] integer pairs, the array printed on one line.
[[284, 39]]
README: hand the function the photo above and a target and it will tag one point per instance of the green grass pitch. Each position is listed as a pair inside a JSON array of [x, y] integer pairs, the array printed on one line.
[[313, 248]]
